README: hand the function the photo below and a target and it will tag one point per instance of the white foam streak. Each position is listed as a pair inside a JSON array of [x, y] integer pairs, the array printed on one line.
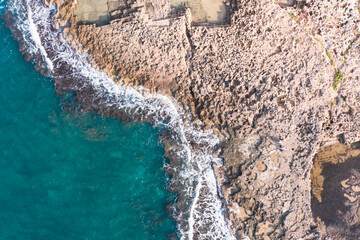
[[35, 36], [192, 211], [205, 213], [1, 2]]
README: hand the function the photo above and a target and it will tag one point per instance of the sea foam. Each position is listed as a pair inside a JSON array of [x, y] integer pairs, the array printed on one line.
[[199, 211]]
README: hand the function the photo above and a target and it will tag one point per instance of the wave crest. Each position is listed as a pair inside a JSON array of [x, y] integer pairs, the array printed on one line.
[[199, 209]]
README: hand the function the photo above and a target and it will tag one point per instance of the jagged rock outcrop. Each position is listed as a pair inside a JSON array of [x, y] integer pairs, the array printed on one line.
[[284, 74]]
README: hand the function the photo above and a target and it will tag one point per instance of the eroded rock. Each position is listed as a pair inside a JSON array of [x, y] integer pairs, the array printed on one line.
[[335, 191]]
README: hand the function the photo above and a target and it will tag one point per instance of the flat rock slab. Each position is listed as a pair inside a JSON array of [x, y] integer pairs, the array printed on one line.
[[101, 12], [204, 11], [92, 11], [96, 11]]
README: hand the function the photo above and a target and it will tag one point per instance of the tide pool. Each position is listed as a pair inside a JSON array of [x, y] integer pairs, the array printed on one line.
[[72, 175]]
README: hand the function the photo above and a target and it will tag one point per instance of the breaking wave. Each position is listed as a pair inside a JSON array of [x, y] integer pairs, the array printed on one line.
[[199, 209]]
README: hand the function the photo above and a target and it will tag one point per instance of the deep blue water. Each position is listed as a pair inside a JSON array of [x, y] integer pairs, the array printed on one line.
[[73, 175]]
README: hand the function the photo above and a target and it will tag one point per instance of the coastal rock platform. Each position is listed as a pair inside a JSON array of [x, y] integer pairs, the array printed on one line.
[[276, 84]]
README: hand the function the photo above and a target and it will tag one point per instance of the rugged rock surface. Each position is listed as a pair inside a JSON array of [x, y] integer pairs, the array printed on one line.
[[335, 179], [283, 70]]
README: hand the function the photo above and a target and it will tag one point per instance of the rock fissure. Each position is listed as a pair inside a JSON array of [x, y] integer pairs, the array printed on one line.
[[260, 80]]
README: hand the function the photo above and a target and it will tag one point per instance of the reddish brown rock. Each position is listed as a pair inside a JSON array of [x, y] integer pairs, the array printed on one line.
[[272, 74]]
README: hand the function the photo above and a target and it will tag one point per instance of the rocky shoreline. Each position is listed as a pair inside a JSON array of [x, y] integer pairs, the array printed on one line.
[[94, 91], [282, 74], [269, 75]]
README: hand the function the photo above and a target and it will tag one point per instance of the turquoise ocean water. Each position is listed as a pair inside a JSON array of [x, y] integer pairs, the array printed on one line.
[[73, 175]]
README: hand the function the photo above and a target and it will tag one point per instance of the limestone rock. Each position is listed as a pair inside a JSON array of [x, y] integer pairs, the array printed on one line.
[[261, 166], [242, 214], [286, 3]]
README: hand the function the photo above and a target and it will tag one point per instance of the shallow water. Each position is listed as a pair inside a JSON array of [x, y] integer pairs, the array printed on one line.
[[71, 175], [198, 209]]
